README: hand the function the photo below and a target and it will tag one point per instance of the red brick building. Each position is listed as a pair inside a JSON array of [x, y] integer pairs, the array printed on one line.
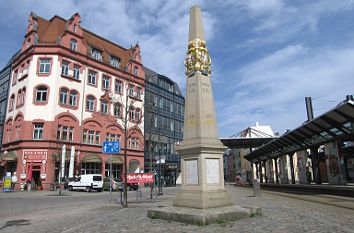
[[69, 87]]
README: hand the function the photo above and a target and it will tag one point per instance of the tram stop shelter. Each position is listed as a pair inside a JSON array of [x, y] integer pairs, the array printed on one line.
[[317, 138]]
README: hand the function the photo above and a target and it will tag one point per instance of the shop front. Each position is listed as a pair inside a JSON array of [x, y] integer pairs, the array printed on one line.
[[8, 163], [34, 170], [91, 164]]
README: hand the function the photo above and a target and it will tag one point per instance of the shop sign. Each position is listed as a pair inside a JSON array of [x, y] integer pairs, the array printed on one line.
[[35, 155], [140, 178]]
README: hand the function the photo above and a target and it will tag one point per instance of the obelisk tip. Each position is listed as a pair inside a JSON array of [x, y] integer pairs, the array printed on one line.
[[196, 29]]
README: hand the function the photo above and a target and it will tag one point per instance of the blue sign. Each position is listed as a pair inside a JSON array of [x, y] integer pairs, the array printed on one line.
[[110, 147]]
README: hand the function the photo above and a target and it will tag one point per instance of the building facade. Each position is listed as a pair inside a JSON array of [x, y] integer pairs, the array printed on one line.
[[163, 125], [5, 74], [70, 90]]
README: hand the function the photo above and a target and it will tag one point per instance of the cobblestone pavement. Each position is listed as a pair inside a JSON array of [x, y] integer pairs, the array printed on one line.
[[96, 214]]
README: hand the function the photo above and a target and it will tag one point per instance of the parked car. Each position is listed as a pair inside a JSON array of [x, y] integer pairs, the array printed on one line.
[[117, 184], [87, 182]]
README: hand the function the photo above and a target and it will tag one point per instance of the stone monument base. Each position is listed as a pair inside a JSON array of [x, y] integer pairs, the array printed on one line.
[[202, 199], [202, 217]]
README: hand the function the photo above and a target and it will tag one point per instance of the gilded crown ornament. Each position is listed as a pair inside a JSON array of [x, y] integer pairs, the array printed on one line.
[[197, 58]]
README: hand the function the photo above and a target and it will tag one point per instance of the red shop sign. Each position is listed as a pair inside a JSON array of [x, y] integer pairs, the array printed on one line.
[[35, 155], [140, 178]]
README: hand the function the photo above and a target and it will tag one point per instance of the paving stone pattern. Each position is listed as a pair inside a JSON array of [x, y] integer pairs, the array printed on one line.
[[92, 212]]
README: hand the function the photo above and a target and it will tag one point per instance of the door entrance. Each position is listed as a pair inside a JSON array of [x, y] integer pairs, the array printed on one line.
[[37, 180]]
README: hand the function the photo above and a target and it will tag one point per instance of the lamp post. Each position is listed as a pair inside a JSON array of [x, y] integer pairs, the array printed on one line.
[[160, 184]]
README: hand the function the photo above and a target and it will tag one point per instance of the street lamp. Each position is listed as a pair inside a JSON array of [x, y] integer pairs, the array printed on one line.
[[160, 184]]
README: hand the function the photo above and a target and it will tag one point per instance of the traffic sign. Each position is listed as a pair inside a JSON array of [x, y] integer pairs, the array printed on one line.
[[111, 147]]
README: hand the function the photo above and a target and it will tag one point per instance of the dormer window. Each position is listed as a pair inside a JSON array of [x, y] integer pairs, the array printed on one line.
[[73, 44], [96, 54], [115, 62]]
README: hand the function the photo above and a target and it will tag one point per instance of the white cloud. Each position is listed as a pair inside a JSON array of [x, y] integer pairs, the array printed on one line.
[[273, 88]]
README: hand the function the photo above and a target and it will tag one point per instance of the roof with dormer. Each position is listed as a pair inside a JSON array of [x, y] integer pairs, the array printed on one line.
[[50, 32]]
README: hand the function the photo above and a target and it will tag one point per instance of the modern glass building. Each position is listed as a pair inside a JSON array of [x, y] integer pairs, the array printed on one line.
[[163, 125]]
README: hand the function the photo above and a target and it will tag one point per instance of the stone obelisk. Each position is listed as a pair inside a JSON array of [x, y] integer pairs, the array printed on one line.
[[201, 150]]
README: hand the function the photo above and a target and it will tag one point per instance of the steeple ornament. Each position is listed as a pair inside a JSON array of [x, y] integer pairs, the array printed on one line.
[[197, 58]]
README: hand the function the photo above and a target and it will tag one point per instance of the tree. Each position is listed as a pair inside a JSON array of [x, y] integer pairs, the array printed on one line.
[[131, 113]]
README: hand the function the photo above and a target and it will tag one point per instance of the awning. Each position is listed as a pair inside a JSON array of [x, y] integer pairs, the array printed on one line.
[[116, 159], [92, 158], [9, 156]]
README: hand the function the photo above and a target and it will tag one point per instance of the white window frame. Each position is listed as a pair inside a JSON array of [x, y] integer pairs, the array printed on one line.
[[117, 110], [38, 131], [73, 98], [92, 77], [44, 65], [90, 103], [63, 96], [76, 74], [104, 107], [96, 54], [114, 61], [131, 90], [73, 44], [42, 94], [118, 86], [105, 82], [65, 68]]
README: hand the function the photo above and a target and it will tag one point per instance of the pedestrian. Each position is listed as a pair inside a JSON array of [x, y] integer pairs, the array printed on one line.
[[13, 181]]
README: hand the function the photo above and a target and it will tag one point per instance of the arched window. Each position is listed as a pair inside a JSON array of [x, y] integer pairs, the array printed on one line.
[[12, 102], [63, 95], [23, 97], [19, 98], [73, 44], [41, 94], [73, 98], [90, 103]]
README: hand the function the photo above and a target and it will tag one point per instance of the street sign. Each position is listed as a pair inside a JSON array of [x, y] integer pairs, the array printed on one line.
[[110, 147]]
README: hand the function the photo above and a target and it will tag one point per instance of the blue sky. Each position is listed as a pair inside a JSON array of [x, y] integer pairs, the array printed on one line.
[[267, 54]]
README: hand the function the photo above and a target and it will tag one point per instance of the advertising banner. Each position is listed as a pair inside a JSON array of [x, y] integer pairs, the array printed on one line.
[[140, 178], [334, 163]]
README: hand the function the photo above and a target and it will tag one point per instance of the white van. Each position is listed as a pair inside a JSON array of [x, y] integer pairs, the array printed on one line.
[[87, 182]]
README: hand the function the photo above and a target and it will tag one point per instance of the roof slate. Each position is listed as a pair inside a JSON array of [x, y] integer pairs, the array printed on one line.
[[50, 31]]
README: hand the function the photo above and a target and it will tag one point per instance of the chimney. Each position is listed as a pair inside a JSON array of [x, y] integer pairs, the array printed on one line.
[[349, 97]]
